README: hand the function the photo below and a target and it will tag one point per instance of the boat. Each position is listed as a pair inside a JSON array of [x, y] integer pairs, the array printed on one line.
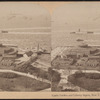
[[79, 40], [4, 31], [72, 32], [90, 32], [82, 32]]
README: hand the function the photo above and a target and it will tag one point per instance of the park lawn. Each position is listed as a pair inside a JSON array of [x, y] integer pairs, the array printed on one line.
[[22, 83], [54, 86], [88, 81]]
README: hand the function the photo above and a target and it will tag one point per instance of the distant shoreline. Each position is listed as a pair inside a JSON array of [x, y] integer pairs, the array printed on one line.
[[75, 33], [27, 33]]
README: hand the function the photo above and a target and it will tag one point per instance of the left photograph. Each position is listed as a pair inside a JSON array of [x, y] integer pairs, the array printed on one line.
[[25, 47]]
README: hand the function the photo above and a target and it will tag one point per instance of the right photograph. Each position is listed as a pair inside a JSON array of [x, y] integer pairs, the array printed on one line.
[[75, 55]]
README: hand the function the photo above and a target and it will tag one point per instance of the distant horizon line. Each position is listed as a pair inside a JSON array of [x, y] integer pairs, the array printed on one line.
[[27, 33], [76, 31], [25, 28]]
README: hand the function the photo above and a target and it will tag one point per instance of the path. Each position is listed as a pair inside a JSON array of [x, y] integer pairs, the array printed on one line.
[[27, 75], [46, 90], [64, 77]]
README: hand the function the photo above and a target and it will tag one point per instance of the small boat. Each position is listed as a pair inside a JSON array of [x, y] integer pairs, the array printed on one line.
[[4, 31], [79, 40], [90, 32], [72, 32]]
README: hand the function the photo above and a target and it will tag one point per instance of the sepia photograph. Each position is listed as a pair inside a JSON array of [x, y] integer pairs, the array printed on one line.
[[49, 50], [25, 47], [75, 55]]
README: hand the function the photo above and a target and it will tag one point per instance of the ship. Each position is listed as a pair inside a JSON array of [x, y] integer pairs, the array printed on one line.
[[79, 40], [90, 32], [82, 32], [4, 31]]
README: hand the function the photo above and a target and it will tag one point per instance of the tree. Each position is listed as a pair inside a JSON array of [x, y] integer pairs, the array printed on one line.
[[56, 76], [50, 71]]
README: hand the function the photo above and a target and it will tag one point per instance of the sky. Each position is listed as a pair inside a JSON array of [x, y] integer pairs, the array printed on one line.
[[72, 16], [63, 16], [23, 15]]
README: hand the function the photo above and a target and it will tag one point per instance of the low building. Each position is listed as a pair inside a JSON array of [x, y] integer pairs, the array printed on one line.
[[9, 53], [97, 54], [82, 61], [9, 56], [10, 45], [92, 63], [20, 53], [7, 62], [77, 52], [94, 58]]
